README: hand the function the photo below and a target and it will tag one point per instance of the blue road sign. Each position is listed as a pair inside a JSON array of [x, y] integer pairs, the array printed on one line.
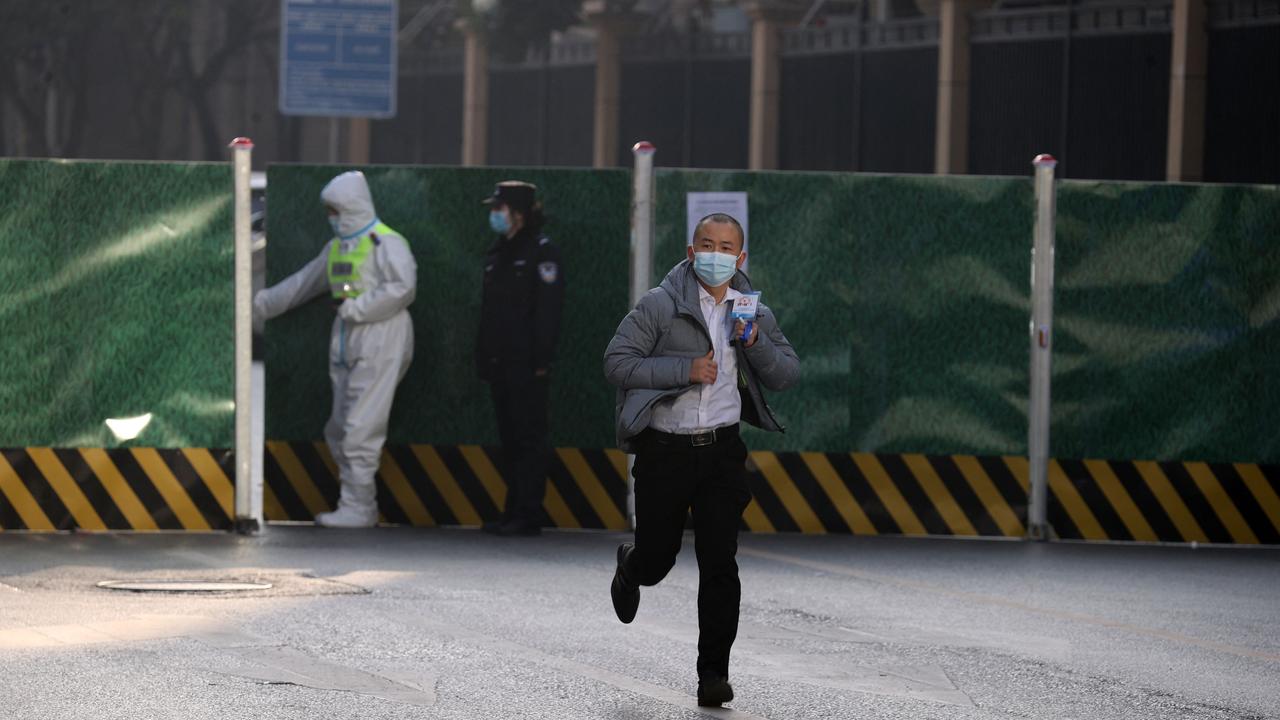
[[338, 57]]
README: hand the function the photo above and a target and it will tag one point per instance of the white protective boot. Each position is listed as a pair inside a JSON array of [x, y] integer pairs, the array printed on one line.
[[356, 508], [348, 517]]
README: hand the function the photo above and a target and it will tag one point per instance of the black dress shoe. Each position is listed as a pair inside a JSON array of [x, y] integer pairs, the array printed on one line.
[[626, 595], [714, 691]]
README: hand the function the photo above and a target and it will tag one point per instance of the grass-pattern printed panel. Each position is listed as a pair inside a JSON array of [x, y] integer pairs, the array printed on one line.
[[438, 211], [1168, 322], [905, 297], [118, 303]]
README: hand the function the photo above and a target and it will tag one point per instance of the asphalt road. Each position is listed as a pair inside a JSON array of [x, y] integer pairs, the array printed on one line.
[[404, 623]]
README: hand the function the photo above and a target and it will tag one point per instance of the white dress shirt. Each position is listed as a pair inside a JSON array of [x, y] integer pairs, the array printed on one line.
[[707, 406]]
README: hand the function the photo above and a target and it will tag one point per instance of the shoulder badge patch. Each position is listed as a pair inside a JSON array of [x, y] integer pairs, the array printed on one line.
[[548, 271]]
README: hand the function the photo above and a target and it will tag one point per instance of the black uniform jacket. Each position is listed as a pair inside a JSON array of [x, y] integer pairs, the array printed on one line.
[[520, 308]]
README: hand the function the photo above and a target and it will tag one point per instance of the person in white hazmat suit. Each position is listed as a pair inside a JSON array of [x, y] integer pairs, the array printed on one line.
[[370, 273]]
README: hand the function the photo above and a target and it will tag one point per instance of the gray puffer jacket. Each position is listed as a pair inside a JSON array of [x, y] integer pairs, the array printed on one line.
[[653, 350]]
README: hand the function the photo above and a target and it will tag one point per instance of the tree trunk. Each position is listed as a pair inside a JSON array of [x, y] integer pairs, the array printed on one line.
[[79, 96], [210, 139]]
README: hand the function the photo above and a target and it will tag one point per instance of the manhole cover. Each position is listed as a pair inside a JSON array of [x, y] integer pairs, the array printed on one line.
[[182, 586]]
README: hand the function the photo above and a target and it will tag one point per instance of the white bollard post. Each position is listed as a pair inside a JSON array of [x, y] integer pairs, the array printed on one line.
[[1041, 347], [248, 506], [642, 221], [641, 260]]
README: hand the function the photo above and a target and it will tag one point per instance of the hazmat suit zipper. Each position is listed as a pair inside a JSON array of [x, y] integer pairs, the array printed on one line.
[[342, 343]]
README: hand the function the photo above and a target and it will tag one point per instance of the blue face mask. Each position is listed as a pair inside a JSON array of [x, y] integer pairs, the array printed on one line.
[[334, 223], [499, 222], [713, 268]]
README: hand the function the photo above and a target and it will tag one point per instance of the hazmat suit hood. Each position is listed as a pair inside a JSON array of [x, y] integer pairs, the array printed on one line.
[[348, 193]]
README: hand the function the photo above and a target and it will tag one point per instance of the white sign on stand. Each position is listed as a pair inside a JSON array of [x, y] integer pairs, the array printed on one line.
[[734, 204]]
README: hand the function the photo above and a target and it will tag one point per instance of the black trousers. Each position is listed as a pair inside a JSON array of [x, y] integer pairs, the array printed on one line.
[[523, 430], [711, 481]]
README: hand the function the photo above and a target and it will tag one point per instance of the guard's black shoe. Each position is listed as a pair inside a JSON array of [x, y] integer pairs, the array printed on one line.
[[626, 596], [714, 691]]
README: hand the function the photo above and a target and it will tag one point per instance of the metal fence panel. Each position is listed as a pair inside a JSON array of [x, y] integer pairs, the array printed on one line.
[[719, 125], [516, 105], [570, 116], [1242, 113], [1015, 105], [817, 124], [899, 110], [428, 127], [1119, 107], [653, 107]]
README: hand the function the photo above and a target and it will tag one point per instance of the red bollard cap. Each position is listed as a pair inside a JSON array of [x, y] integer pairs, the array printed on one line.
[[241, 142], [644, 147], [1044, 159]]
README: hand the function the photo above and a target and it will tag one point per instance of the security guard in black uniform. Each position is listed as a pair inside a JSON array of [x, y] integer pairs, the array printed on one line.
[[519, 325]]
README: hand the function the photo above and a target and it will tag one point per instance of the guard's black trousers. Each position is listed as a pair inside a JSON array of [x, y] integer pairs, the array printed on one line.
[[711, 481], [521, 407]]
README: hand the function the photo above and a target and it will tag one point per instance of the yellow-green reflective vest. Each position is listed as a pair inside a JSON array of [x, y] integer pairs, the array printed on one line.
[[344, 267]]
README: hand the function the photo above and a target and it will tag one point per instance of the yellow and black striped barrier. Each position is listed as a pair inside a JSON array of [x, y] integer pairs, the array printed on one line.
[[1165, 501], [428, 485], [120, 489], [909, 494], [858, 493]]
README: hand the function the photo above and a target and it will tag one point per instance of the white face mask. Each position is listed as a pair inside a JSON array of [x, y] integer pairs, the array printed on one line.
[[335, 222], [714, 268]]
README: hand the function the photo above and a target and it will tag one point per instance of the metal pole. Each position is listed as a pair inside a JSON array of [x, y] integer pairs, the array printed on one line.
[[686, 118], [641, 259], [642, 221], [1041, 347], [855, 127], [248, 503], [544, 102], [1064, 133]]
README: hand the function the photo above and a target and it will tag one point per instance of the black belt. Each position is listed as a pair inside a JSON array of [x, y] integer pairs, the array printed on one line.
[[701, 439]]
